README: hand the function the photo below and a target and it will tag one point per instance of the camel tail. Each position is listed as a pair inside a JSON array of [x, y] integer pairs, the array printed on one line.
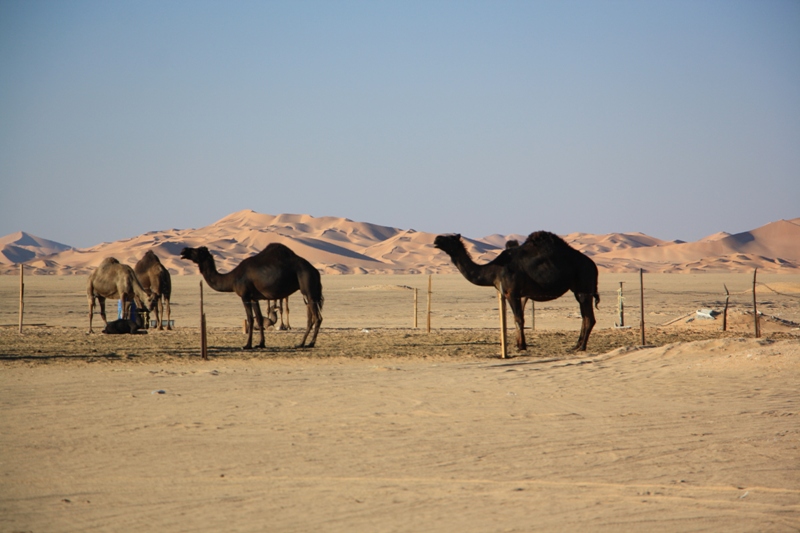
[[596, 300], [314, 291]]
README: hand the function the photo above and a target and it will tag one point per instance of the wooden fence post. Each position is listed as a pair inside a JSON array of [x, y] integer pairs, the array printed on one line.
[[501, 304], [415, 307], [203, 338], [429, 303], [21, 294], [641, 303], [755, 307], [725, 311], [621, 306]]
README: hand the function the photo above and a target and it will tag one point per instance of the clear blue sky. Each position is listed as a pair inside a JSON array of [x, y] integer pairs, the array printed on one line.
[[674, 118]]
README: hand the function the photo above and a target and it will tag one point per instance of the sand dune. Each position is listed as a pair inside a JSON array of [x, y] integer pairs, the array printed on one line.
[[20, 247], [343, 246]]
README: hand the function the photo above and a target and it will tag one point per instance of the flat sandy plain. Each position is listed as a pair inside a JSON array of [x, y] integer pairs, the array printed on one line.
[[383, 427]]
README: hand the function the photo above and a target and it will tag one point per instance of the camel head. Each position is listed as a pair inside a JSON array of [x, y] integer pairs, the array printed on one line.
[[196, 255], [449, 243], [152, 300]]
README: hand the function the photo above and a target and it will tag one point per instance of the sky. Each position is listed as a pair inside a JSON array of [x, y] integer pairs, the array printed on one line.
[[677, 119]]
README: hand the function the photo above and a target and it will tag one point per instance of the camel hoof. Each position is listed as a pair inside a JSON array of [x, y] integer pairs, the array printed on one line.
[[247, 347]]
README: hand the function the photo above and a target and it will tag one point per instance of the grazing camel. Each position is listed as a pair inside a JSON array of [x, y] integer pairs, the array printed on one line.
[[156, 280], [542, 268], [114, 280], [272, 274], [276, 308]]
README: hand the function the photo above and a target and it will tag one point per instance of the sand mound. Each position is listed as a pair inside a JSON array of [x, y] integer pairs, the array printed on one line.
[[342, 246]]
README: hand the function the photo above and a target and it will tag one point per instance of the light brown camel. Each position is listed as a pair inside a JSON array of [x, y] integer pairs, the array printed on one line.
[[155, 279], [272, 274], [114, 280], [279, 308], [542, 268]]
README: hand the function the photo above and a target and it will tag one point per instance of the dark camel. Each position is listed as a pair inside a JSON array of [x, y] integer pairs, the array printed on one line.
[[542, 268], [123, 326], [272, 274], [114, 280], [156, 280]]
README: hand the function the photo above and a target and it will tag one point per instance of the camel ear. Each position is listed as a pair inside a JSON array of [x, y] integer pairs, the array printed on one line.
[[458, 236]]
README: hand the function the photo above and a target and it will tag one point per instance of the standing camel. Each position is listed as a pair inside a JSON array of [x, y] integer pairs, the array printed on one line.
[[542, 268], [156, 280], [272, 274], [114, 280]]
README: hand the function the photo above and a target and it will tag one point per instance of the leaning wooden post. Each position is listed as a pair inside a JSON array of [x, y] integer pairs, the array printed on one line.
[[755, 306], [415, 307], [641, 303], [21, 294], [203, 338], [725, 311], [501, 304], [429, 303]]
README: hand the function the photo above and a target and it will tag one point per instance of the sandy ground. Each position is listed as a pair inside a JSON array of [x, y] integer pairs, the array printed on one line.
[[383, 427]]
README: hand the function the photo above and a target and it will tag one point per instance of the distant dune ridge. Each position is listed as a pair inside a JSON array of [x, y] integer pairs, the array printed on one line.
[[342, 246]]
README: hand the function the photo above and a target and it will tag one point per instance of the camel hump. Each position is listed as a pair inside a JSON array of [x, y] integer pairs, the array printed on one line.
[[151, 257], [276, 249], [545, 239], [109, 261]]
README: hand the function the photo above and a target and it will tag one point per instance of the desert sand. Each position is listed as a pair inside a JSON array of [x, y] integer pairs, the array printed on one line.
[[384, 427]]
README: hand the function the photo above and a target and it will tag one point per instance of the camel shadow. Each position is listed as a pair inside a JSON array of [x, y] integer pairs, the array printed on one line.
[[46, 358]]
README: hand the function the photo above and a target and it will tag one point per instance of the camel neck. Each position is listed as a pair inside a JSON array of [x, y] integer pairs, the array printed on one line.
[[482, 275], [218, 282]]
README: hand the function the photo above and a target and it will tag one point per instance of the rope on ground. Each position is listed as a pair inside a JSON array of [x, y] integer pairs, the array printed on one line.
[[796, 296]]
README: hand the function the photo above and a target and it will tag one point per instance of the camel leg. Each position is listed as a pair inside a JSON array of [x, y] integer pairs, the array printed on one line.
[[285, 303], [515, 302], [91, 312], [102, 303], [260, 320], [314, 316], [249, 312], [169, 324], [588, 322], [272, 313], [158, 309]]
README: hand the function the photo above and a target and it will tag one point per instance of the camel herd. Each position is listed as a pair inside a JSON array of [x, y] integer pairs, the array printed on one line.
[[542, 268]]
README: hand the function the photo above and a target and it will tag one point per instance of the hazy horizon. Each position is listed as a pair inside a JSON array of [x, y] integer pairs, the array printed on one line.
[[677, 119]]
